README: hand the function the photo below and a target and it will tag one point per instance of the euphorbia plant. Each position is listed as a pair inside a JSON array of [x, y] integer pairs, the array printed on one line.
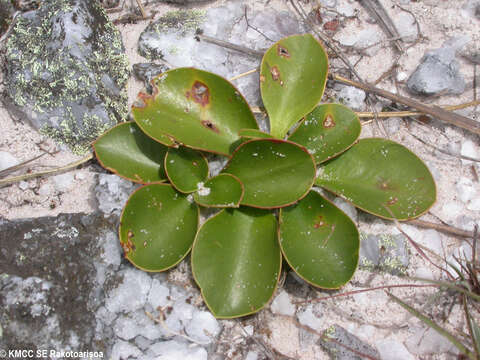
[[237, 253]]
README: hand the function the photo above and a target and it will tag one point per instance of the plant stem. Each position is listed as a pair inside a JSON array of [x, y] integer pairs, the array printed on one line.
[[440, 227], [72, 165], [435, 111], [366, 114]]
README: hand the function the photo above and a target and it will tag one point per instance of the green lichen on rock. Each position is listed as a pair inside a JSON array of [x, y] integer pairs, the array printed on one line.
[[66, 70], [181, 22]]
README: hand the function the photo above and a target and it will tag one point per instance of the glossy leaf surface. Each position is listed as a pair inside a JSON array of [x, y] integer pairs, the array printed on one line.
[[128, 152], [319, 241], [275, 173], [196, 108], [236, 261], [327, 131], [157, 227], [185, 168], [380, 177], [224, 190], [292, 79]]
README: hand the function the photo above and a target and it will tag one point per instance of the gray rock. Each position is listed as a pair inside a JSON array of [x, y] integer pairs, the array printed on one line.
[[7, 160], [112, 193], [48, 282], [438, 71], [352, 97], [147, 71], [66, 71], [344, 337], [391, 349], [384, 252], [428, 341]]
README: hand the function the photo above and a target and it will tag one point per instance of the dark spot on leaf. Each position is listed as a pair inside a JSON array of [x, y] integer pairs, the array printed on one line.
[[128, 246], [283, 52], [383, 184], [199, 93], [392, 201], [328, 122], [262, 78], [275, 73], [210, 126], [319, 223]]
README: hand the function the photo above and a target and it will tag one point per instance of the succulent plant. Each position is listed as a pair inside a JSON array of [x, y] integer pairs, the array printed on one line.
[[271, 209]]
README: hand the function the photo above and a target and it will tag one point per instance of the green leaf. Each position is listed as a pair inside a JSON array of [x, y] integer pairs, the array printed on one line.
[[195, 108], [236, 261], [128, 152], [327, 131], [224, 190], [254, 134], [319, 241], [292, 79], [185, 168], [157, 227], [380, 177], [275, 173]]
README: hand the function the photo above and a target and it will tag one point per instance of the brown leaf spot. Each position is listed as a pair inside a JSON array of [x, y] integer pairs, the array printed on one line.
[[283, 52], [392, 201], [319, 223], [210, 126], [328, 122], [262, 78], [199, 93], [275, 73], [128, 246]]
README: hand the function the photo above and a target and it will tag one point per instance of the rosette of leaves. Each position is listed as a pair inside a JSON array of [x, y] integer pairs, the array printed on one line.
[[269, 207]]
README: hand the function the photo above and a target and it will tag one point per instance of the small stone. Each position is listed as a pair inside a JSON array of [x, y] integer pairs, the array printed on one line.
[[346, 338], [131, 293], [405, 24], [7, 160], [23, 185], [401, 76], [352, 97], [310, 316], [390, 349], [63, 182], [158, 295], [112, 193], [465, 189], [366, 40], [80, 176], [203, 327], [124, 350], [470, 149], [251, 355], [427, 341], [147, 71], [385, 251], [346, 9], [282, 304], [439, 71], [474, 205], [173, 349]]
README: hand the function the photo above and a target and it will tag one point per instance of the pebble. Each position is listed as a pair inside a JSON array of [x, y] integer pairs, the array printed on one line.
[[427, 341], [366, 40], [282, 304], [465, 189], [386, 252], [131, 294], [23, 185], [470, 149], [405, 24], [63, 182], [173, 350], [352, 97], [7, 160], [390, 349], [344, 337], [438, 71], [310, 316], [112, 193], [124, 350], [203, 327], [158, 295]]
